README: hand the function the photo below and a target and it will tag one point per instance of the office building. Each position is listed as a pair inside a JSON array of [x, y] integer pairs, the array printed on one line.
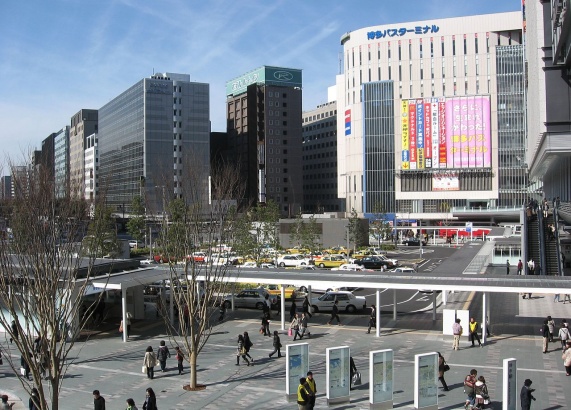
[[91, 167], [432, 116], [264, 111], [153, 142], [61, 162], [6, 187], [83, 123]]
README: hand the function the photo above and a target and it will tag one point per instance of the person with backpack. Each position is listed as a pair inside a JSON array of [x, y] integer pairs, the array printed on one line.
[[162, 355], [247, 345], [564, 335], [179, 359], [470, 389]]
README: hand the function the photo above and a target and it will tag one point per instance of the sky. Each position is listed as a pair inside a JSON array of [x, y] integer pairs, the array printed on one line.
[[59, 56]]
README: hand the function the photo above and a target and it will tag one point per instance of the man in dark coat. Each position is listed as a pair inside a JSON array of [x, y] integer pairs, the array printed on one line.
[[525, 396]]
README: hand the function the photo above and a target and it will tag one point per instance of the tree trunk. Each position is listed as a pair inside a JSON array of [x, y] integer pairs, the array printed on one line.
[[193, 370], [55, 393]]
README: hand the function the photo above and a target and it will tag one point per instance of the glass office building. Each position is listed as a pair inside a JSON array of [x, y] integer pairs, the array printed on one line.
[[153, 139]]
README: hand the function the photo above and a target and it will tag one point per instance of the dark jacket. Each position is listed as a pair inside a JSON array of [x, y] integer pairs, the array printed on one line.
[[545, 331], [150, 403], [247, 343], [335, 309], [277, 343], [99, 403], [163, 353], [525, 397]]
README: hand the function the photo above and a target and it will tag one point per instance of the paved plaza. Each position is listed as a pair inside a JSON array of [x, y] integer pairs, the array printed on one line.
[[114, 367]]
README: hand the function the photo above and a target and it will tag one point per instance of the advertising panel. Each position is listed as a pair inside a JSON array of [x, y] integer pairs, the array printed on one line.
[[425, 380], [381, 376], [297, 357], [338, 374], [405, 136], [447, 132], [445, 181], [348, 122]]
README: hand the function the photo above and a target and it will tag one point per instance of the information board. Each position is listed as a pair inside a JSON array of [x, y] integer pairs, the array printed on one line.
[[509, 395], [381, 376], [338, 374], [297, 358], [426, 380]]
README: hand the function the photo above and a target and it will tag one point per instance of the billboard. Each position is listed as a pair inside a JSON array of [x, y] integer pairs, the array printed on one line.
[[445, 181], [279, 76], [446, 133]]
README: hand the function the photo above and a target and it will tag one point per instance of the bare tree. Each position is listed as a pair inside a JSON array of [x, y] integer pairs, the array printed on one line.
[[199, 219], [43, 283]]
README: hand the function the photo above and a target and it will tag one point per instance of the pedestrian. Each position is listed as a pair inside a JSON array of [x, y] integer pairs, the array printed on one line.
[[26, 366], [294, 326], [508, 267], [248, 345], [526, 396], [567, 298], [306, 305], [34, 401], [470, 389], [150, 400], [352, 370], [457, 332], [567, 358], [557, 202], [98, 401], [303, 326], [545, 208], [488, 333], [372, 319], [266, 321], [481, 390], [474, 332], [335, 314], [277, 345], [241, 351], [519, 267], [15, 331], [222, 311], [150, 361], [162, 354], [551, 326], [564, 335], [531, 266], [545, 333], [179, 359], [131, 405], [302, 395], [311, 388], [557, 297], [441, 369], [4, 404], [292, 310]]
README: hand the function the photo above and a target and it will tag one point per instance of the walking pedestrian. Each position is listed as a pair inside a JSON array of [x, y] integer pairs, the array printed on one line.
[[34, 401], [474, 332], [292, 310], [567, 359], [303, 326], [335, 314], [526, 396], [567, 298], [352, 370], [564, 335], [545, 333], [372, 319], [306, 305], [277, 345], [294, 326], [302, 395], [470, 389], [162, 354], [557, 297], [481, 390], [98, 401], [531, 266], [222, 311], [266, 321], [4, 404], [441, 370], [457, 332], [519, 267], [131, 405], [241, 351], [508, 267], [247, 345], [150, 361], [25, 365], [551, 326], [150, 400], [179, 359], [15, 331], [311, 388]]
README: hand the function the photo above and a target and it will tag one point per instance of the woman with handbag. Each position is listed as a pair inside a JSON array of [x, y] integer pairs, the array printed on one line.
[[482, 396], [241, 351], [149, 362], [442, 367], [150, 400]]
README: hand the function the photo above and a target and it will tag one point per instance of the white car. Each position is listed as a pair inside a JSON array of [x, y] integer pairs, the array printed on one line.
[[292, 260], [404, 270], [346, 302], [350, 267], [249, 264]]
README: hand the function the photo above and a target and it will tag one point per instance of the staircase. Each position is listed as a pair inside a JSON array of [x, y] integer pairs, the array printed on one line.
[[533, 252], [550, 246]]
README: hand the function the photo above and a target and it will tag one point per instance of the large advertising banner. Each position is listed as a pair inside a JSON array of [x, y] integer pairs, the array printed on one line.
[[381, 376], [412, 132], [447, 133], [405, 136], [445, 181], [297, 358], [425, 381], [338, 374]]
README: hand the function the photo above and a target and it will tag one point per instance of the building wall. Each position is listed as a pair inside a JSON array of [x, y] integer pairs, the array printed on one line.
[[91, 161], [319, 160], [61, 162], [428, 59], [83, 123]]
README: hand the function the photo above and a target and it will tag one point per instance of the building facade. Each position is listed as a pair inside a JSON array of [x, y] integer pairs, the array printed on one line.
[[319, 160], [264, 111], [83, 123], [61, 162], [153, 142], [419, 130], [91, 167]]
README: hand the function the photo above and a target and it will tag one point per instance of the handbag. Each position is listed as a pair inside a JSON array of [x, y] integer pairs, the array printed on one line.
[[290, 332], [144, 369], [121, 328], [446, 367], [356, 379]]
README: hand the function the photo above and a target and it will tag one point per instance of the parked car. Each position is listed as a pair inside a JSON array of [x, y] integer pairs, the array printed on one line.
[[392, 262], [350, 267], [412, 242], [346, 301], [404, 270], [292, 260], [136, 244], [374, 262], [251, 298], [290, 291], [333, 261]]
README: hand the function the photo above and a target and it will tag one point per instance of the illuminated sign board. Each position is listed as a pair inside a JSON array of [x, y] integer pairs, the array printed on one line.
[[402, 31], [348, 121], [290, 77]]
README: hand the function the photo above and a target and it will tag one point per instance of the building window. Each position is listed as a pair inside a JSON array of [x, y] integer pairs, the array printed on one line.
[[465, 47], [284, 113], [284, 123], [453, 47], [399, 52], [476, 44]]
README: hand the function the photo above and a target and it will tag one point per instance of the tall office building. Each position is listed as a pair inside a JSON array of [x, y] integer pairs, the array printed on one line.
[[432, 116], [264, 111], [153, 141], [5, 187], [91, 161], [83, 123], [61, 162], [319, 160]]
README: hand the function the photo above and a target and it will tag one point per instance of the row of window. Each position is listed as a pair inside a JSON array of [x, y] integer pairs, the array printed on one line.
[[321, 135], [319, 146], [332, 185], [323, 124], [319, 116], [324, 175]]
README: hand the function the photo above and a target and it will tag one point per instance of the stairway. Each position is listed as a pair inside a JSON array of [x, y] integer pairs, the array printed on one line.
[[550, 246], [532, 241]]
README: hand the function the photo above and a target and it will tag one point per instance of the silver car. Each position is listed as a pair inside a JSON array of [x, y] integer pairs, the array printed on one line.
[[251, 298]]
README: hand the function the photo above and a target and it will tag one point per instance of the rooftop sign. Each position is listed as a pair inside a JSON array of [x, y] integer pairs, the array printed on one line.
[[402, 31], [289, 77]]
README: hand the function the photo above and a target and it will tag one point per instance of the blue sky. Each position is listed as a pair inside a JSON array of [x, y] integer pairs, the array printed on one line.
[[59, 56]]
